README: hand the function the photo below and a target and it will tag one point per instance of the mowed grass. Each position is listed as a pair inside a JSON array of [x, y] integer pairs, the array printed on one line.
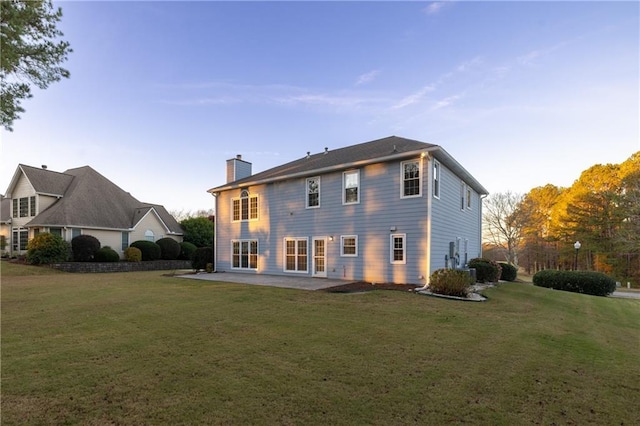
[[142, 348]]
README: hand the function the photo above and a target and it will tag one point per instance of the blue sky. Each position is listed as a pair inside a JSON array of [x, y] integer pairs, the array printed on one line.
[[161, 93]]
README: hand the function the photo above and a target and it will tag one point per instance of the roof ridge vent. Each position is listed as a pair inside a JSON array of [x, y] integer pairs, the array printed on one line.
[[326, 150], [308, 154], [395, 148]]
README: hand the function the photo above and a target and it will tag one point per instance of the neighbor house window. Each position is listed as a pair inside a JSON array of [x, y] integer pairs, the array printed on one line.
[[149, 235], [15, 207], [124, 241], [351, 187], [245, 208], [56, 231], [313, 192], [32, 206], [76, 232], [244, 254], [398, 248], [436, 179], [349, 245], [20, 239], [295, 254], [24, 207], [411, 186]]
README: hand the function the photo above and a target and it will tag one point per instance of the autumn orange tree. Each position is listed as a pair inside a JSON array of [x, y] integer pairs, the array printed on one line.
[[601, 210]]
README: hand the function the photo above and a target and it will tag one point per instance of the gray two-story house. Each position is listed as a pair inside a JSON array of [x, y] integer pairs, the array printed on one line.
[[389, 210]]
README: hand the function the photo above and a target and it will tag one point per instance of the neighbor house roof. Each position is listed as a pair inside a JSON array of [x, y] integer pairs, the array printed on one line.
[[90, 200], [5, 210], [380, 150]]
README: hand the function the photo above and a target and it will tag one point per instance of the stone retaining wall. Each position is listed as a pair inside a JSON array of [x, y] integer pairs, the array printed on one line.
[[93, 267]]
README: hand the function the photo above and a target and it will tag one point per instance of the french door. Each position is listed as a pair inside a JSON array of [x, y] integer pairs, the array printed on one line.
[[319, 264]]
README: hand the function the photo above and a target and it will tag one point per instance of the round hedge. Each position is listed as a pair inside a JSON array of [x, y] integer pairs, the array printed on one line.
[[107, 254], [487, 271], [84, 248], [201, 257], [169, 248], [132, 254], [509, 272], [186, 250], [47, 248], [149, 249]]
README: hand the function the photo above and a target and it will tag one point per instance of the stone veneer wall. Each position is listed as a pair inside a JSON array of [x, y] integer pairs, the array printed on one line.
[[92, 267]]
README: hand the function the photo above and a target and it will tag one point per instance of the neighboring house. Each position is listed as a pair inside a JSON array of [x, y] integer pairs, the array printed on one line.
[[5, 225], [390, 210], [76, 202]]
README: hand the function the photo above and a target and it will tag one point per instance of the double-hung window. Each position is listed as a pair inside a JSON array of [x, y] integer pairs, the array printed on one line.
[[245, 208], [244, 254], [296, 254], [351, 187], [411, 181], [349, 246], [398, 249], [313, 192]]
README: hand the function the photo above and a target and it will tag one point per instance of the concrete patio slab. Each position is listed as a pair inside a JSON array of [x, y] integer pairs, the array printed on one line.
[[300, 283]]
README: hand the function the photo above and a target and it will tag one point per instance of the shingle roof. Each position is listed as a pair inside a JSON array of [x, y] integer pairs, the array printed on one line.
[[5, 209], [91, 200], [46, 181], [367, 152]]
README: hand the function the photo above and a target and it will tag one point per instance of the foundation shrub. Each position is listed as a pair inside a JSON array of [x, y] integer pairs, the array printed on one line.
[[487, 271], [201, 257], [107, 254], [186, 250], [47, 248], [169, 248], [132, 254], [149, 249], [84, 248], [594, 283], [509, 272], [450, 282]]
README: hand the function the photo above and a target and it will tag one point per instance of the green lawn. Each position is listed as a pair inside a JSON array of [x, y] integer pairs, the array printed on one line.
[[142, 348]]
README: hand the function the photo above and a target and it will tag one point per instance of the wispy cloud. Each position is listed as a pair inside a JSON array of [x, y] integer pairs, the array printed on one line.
[[434, 7], [443, 103], [367, 77], [414, 97]]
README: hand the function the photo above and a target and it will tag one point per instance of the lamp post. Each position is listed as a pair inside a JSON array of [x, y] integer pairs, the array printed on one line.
[[576, 246]]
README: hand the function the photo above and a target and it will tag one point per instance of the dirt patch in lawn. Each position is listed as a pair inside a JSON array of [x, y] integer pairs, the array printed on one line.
[[363, 286]]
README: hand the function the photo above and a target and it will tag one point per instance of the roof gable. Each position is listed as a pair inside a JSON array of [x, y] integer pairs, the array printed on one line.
[[42, 180]]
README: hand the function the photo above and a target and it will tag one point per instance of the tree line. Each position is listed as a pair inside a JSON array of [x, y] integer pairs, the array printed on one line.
[[601, 210]]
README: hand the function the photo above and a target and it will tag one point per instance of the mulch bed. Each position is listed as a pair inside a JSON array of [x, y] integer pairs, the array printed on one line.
[[362, 286]]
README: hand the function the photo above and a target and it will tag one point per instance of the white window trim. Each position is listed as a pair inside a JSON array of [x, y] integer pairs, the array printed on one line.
[[342, 238], [249, 241], [284, 255], [437, 179], [420, 178], [404, 249], [306, 192], [469, 194], [344, 187], [248, 198]]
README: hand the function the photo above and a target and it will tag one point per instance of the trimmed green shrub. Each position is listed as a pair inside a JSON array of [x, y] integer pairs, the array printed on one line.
[[132, 254], [169, 248], [198, 231], [201, 257], [107, 254], [487, 271], [84, 248], [450, 282], [594, 283], [47, 248], [186, 250], [149, 249], [509, 272]]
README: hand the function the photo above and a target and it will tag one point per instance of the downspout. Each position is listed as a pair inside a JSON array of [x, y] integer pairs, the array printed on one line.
[[482, 197], [215, 231]]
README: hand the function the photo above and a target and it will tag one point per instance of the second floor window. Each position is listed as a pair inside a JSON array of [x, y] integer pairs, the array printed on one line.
[[351, 185], [436, 179], [313, 192], [245, 208], [25, 206], [411, 178]]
